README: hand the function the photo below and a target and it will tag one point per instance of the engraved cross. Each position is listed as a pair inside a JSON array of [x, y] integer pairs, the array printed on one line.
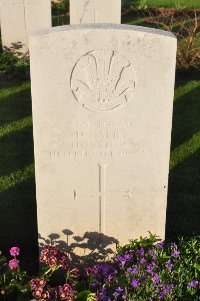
[[102, 194]]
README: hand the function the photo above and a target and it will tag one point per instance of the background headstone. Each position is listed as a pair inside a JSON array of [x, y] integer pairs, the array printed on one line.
[[95, 11], [20, 17], [102, 115]]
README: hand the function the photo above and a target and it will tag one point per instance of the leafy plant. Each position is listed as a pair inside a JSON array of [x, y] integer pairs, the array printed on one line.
[[135, 4], [61, 7], [185, 25], [148, 269], [145, 269], [13, 281], [13, 62]]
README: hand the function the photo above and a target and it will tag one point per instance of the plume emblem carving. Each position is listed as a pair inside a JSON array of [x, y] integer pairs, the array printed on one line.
[[98, 81]]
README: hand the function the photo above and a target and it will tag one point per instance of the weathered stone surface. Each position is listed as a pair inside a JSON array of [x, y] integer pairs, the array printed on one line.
[[20, 17], [102, 115], [95, 11]]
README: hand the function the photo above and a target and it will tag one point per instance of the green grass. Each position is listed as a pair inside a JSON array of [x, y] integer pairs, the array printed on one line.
[[166, 3], [17, 185], [184, 179], [174, 3]]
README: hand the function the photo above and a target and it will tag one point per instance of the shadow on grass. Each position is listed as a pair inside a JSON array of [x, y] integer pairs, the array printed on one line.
[[184, 178], [184, 199], [18, 221], [16, 149], [186, 116], [14, 104]]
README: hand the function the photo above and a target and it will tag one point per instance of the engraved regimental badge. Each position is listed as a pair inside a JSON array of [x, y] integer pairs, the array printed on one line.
[[103, 80]]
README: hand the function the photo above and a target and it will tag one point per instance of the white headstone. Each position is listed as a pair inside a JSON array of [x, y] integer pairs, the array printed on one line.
[[20, 17], [102, 114], [95, 11]]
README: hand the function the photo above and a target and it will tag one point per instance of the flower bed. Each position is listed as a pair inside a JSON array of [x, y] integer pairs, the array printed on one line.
[[145, 269]]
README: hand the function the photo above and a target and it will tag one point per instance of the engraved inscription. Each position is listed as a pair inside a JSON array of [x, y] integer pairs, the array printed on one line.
[[84, 139], [102, 194], [101, 80]]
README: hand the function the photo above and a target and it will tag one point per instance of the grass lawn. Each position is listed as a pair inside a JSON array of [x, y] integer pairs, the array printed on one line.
[[184, 178], [173, 3], [17, 186]]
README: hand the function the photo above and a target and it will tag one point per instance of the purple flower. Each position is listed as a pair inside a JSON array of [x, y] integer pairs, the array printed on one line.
[[152, 254], [94, 283], [175, 253], [174, 245], [104, 291], [119, 289], [109, 277], [155, 278], [169, 265], [13, 264], [105, 270], [140, 252], [122, 259], [193, 283], [153, 264], [143, 260], [160, 245], [166, 289], [135, 283], [133, 270], [14, 251], [150, 267], [124, 297], [149, 270], [142, 278]]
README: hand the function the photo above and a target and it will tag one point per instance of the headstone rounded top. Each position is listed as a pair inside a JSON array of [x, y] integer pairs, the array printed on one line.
[[107, 26]]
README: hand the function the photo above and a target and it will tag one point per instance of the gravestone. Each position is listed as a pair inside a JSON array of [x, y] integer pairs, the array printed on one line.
[[20, 17], [102, 116], [95, 11]]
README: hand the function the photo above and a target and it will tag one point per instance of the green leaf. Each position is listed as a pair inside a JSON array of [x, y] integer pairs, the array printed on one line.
[[83, 296], [81, 286]]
